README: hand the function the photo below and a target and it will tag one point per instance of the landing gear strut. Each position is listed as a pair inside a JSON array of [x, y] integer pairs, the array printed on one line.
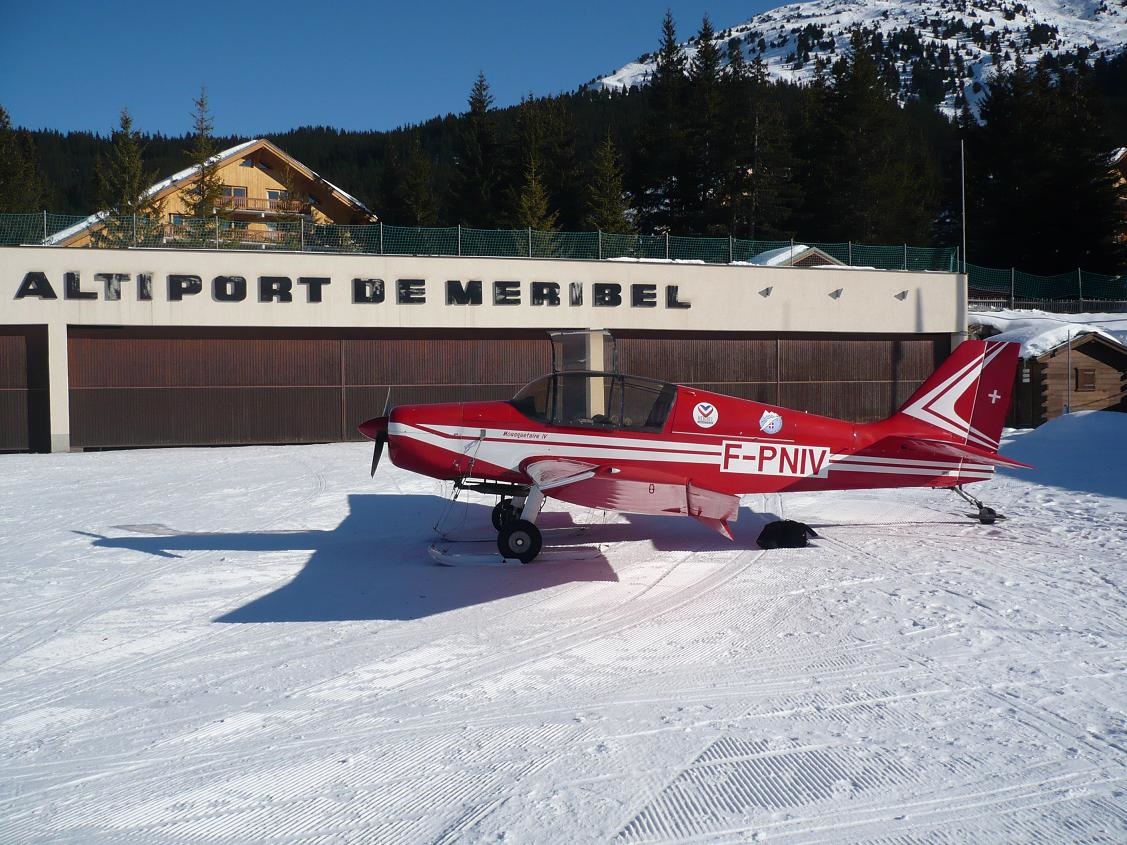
[[986, 515]]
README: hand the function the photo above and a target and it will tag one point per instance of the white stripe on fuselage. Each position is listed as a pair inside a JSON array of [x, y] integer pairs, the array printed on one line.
[[511, 449]]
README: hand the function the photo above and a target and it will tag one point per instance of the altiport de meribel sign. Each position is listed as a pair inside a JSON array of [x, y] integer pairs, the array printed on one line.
[[178, 287]]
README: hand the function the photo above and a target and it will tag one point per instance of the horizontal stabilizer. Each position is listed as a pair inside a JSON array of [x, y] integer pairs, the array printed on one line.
[[945, 450]]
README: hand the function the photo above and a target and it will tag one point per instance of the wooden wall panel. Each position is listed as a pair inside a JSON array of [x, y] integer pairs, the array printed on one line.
[[443, 359], [117, 417]]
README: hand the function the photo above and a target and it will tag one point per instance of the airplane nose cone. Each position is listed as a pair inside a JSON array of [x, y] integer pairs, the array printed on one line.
[[374, 427]]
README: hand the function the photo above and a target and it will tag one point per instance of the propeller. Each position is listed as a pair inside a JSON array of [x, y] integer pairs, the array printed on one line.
[[375, 429]]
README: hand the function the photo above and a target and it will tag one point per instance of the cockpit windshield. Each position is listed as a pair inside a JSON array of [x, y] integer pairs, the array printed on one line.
[[600, 400]]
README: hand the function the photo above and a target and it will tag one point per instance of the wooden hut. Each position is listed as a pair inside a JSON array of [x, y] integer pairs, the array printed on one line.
[[1088, 373]]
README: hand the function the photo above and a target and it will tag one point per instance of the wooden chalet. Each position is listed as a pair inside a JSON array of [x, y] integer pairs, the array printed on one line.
[[267, 193], [1088, 374]]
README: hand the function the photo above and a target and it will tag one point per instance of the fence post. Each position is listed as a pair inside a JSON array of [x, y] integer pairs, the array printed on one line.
[[666, 246], [301, 229], [459, 239], [381, 237], [529, 241], [600, 231], [134, 230], [1013, 275], [905, 256], [730, 249], [217, 231], [849, 247], [790, 255], [1080, 287], [44, 224]]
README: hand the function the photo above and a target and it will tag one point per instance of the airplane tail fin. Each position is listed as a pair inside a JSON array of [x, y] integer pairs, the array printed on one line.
[[965, 401]]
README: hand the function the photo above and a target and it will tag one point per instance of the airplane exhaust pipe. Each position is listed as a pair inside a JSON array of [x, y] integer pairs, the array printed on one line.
[[375, 429]]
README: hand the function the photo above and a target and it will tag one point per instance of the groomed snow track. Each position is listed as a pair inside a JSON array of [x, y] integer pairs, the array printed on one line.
[[253, 645]]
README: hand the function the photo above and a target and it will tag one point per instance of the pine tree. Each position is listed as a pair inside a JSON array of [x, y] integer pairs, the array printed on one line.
[[134, 216], [706, 155], [477, 180], [21, 185], [204, 196], [533, 209], [663, 138], [418, 193], [607, 208]]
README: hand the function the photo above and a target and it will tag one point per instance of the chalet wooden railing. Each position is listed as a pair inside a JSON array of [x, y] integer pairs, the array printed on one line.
[[274, 206]]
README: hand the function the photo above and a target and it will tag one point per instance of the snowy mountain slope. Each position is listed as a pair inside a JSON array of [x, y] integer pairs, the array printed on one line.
[[958, 39], [252, 645]]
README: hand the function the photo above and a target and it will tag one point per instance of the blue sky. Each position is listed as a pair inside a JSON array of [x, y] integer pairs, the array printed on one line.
[[269, 67]]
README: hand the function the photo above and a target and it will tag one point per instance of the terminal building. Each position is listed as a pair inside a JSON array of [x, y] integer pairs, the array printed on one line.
[[170, 346]]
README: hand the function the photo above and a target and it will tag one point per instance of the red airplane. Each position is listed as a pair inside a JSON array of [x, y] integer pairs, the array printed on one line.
[[617, 442]]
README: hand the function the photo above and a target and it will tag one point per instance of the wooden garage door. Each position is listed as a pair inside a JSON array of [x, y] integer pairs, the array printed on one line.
[[24, 423], [168, 387]]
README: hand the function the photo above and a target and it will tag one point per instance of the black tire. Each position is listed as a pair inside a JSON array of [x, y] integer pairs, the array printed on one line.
[[987, 516], [519, 540], [503, 514]]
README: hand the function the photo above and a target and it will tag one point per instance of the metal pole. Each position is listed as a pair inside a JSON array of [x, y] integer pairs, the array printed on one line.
[[44, 224], [1012, 287], [381, 237], [217, 231], [301, 229], [459, 239], [790, 255], [905, 256], [529, 241], [666, 246], [600, 231], [1080, 286], [850, 248], [963, 178], [729, 249], [1068, 393]]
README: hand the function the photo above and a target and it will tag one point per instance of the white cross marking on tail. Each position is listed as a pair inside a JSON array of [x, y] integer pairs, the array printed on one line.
[[995, 396]]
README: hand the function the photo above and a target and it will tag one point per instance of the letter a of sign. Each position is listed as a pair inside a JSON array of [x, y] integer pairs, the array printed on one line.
[[36, 284]]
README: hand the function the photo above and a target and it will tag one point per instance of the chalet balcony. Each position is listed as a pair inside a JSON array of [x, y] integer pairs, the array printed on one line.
[[262, 207]]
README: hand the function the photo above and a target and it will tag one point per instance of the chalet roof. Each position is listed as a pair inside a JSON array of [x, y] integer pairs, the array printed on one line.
[[184, 177], [795, 255], [1094, 336]]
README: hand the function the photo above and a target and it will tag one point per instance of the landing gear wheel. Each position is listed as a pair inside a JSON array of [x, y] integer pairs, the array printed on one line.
[[504, 513], [520, 540], [987, 515]]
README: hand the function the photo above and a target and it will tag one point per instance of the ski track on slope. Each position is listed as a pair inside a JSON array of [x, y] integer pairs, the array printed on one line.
[[913, 677]]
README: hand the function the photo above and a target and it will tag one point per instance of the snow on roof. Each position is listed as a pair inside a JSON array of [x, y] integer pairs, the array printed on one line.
[[1039, 332], [776, 257]]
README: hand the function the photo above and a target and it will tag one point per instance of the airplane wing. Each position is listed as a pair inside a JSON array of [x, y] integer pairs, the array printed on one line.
[[632, 490], [945, 450]]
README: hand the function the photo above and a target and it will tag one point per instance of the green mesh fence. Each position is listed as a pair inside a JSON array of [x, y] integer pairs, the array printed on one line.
[[1014, 285], [379, 239]]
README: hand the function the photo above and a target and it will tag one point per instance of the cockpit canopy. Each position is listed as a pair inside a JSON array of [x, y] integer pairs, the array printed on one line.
[[597, 400]]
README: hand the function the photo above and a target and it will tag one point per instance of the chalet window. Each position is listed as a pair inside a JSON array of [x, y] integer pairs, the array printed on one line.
[[236, 195], [1085, 379]]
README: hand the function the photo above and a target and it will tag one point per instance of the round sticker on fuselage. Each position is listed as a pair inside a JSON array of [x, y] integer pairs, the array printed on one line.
[[770, 423], [705, 415]]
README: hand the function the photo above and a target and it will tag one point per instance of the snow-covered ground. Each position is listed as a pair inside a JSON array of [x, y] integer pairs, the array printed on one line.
[[252, 645]]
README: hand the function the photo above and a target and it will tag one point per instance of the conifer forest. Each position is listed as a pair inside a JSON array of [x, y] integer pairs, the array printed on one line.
[[710, 147]]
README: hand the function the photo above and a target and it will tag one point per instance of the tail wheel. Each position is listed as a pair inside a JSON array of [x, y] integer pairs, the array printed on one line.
[[519, 540]]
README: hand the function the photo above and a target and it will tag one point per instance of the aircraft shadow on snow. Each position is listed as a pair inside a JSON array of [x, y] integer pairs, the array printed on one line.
[[375, 564]]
